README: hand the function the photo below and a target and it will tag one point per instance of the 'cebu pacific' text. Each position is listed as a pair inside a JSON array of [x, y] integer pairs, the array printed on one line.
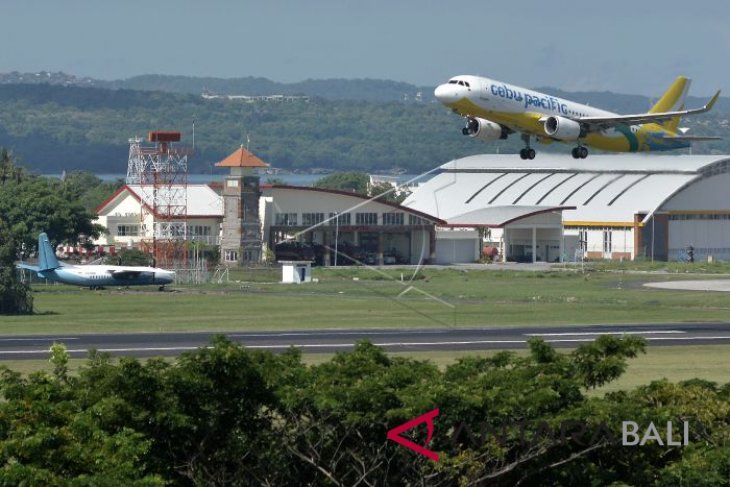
[[544, 102]]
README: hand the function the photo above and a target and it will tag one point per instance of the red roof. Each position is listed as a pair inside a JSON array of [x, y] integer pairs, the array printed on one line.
[[242, 158]]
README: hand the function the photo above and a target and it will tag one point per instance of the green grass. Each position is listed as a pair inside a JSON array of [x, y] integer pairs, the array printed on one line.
[[27, 367], [709, 362], [672, 267], [366, 298]]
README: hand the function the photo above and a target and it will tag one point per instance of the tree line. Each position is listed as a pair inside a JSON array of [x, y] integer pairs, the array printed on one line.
[[224, 415]]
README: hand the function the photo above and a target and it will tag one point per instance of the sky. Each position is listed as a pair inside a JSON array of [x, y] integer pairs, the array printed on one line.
[[625, 46]]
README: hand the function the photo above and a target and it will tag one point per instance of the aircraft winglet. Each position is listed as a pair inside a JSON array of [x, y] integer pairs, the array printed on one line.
[[712, 101]]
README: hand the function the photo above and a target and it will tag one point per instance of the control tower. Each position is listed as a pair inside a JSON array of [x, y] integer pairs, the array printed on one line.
[[241, 241]]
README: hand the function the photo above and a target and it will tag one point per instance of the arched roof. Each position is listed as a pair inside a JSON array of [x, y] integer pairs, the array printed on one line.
[[603, 188], [500, 216]]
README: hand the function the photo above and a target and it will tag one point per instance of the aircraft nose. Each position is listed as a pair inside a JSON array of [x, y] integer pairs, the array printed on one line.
[[446, 93]]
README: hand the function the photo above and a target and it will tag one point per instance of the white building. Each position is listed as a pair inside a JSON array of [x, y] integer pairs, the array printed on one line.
[[613, 206], [128, 216], [372, 232]]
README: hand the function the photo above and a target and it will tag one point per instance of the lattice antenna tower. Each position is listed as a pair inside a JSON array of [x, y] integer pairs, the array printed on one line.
[[158, 171]]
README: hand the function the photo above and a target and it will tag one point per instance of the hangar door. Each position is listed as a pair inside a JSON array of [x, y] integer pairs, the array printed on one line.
[[709, 236], [456, 251]]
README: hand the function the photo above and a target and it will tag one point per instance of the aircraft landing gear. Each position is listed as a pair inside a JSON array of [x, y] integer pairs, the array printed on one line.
[[161, 288], [527, 152], [579, 152]]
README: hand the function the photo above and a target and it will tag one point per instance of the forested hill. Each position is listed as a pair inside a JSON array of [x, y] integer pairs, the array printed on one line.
[[376, 90], [53, 127]]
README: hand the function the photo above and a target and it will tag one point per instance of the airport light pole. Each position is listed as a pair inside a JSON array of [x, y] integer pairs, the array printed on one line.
[[337, 233]]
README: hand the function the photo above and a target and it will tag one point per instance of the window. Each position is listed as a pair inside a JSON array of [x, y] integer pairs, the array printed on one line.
[[232, 183], [199, 230], [583, 239], [366, 218], [310, 219], [700, 216], [393, 219], [230, 255], [286, 219], [342, 219], [607, 241], [417, 220], [127, 230]]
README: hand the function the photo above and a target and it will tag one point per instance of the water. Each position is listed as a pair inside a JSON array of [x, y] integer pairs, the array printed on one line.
[[289, 179]]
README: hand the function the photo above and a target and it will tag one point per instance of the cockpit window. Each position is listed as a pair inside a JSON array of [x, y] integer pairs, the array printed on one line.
[[459, 82]]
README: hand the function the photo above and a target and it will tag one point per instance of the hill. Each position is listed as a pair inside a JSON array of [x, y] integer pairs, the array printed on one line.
[[70, 125]]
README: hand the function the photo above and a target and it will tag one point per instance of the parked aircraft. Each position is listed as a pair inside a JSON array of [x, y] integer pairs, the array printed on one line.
[[494, 110], [94, 276]]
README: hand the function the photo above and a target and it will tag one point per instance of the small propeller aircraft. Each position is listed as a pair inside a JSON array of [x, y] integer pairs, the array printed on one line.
[[94, 276]]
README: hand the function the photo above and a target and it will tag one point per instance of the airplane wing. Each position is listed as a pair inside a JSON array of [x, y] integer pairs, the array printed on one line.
[[691, 138], [606, 122], [29, 267]]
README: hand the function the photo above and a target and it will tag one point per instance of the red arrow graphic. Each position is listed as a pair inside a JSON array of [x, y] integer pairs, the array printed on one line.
[[394, 434]]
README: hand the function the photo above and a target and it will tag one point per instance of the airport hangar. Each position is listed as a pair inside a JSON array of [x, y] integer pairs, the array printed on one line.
[[607, 206]]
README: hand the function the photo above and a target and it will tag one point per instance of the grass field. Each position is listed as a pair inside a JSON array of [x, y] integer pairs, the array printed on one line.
[[368, 298]]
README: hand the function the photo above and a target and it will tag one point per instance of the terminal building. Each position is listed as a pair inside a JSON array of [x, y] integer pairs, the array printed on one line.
[[551, 209], [607, 206]]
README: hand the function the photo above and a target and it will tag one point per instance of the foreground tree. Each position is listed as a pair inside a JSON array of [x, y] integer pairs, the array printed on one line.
[[48, 440], [227, 416]]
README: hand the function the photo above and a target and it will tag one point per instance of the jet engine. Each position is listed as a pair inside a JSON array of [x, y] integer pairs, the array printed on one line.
[[484, 129], [563, 128]]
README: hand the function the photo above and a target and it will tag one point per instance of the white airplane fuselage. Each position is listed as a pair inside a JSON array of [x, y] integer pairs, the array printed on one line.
[[103, 275]]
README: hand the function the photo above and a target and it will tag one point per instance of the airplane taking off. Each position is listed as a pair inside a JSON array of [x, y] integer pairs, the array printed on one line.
[[493, 110], [94, 276]]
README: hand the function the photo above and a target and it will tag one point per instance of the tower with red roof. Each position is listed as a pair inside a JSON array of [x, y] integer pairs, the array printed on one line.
[[241, 239]]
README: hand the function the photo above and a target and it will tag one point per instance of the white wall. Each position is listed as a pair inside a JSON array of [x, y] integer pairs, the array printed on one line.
[[305, 201], [622, 240], [420, 246]]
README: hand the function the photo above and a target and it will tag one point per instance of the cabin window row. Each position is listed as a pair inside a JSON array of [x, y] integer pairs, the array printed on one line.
[[345, 218]]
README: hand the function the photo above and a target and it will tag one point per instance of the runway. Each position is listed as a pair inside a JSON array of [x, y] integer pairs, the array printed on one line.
[[326, 341]]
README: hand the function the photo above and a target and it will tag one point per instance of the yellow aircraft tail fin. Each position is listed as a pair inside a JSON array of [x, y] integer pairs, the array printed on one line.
[[672, 100]]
